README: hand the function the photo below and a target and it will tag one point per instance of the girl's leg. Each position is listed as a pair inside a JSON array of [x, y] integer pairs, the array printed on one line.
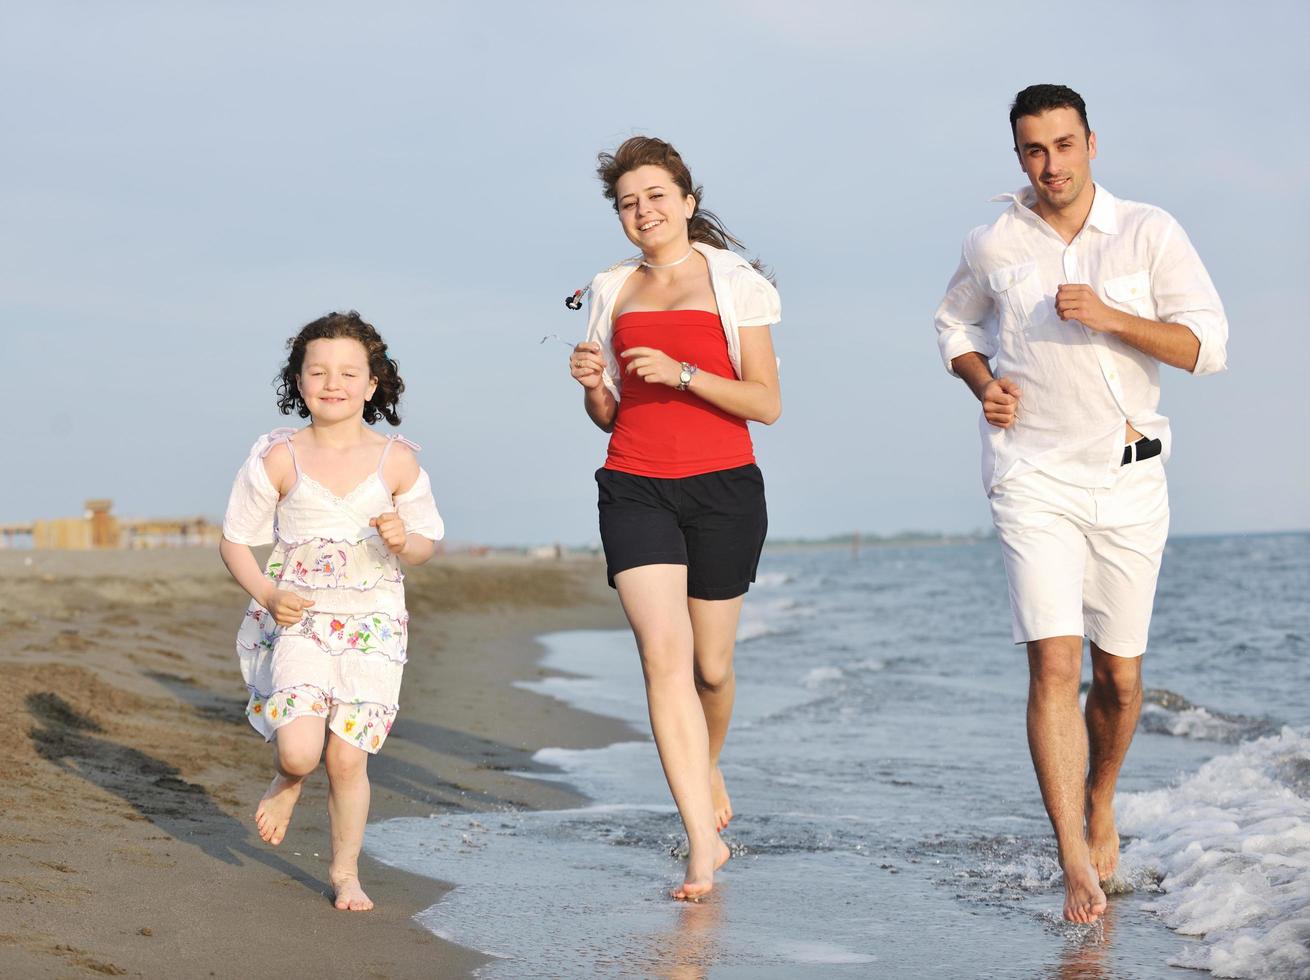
[[297, 747], [654, 598], [348, 798], [714, 628]]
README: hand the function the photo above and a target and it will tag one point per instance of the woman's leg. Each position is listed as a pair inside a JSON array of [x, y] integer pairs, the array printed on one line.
[[348, 799], [297, 747], [654, 598], [714, 628]]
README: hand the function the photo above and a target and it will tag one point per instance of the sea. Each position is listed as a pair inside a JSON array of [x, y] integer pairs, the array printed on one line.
[[888, 822]]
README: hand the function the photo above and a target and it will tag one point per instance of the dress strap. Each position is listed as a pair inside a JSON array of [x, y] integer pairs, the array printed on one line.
[[391, 441], [282, 436]]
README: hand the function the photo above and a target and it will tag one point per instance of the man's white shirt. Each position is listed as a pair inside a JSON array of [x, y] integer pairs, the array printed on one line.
[[1078, 386]]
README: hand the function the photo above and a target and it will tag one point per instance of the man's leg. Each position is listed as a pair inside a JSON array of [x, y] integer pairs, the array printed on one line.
[[1123, 564], [1113, 705], [1057, 739]]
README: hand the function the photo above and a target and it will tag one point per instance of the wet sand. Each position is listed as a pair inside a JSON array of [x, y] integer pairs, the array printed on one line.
[[129, 775]]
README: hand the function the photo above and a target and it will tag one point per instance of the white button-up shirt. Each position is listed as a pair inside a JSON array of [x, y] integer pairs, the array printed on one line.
[[1078, 387]]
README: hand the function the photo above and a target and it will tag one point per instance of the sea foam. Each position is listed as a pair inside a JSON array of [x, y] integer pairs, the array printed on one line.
[[1232, 842]]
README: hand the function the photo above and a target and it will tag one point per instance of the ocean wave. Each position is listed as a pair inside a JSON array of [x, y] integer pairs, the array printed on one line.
[[1167, 713], [1232, 842]]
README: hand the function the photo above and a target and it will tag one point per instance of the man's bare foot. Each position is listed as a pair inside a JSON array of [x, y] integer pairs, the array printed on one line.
[[1102, 839], [719, 800], [700, 882], [273, 814], [349, 894], [1084, 901]]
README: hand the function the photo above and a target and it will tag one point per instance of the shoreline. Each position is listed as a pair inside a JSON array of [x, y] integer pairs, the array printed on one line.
[[129, 847]]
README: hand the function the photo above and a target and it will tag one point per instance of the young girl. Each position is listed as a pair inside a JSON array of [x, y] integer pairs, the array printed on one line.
[[681, 334], [322, 645]]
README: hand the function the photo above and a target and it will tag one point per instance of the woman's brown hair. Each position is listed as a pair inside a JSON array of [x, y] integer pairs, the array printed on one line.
[[640, 151], [386, 396]]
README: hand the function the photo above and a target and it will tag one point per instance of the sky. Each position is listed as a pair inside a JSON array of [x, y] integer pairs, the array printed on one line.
[[186, 184]]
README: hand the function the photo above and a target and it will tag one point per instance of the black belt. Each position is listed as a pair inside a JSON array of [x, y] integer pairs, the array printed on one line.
[[1143, 448]]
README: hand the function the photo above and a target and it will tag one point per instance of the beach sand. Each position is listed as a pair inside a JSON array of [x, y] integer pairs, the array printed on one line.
[[130, 776]]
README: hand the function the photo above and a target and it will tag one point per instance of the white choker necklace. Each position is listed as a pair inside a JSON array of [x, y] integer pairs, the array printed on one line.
[[669, 265]]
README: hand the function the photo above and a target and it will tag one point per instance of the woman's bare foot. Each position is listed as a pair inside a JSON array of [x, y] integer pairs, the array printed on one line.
[[700, 881], [1084, 901], [719, 800], [273, 814], [1102, 839], [349, 894]]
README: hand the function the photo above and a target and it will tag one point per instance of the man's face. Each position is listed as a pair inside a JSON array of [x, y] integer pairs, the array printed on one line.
[[1056, 153]]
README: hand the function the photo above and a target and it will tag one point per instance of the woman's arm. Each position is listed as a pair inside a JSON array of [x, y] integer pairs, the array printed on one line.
[[587, 366], [756, 396]]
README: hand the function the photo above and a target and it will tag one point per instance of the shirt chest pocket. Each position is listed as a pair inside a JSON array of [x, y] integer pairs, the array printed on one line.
[[1018, 293], [1131, 294]]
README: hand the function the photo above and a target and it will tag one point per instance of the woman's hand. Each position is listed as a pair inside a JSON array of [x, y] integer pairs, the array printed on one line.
[[653, 365], [391, 529], [287, 607], [586, 365]]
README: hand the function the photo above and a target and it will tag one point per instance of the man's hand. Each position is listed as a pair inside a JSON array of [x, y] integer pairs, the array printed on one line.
[[287, 607], [391, 529], [1077, 301], [1000, 402]]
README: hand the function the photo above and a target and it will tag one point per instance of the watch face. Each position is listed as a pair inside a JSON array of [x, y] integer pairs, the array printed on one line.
[[685, 376]]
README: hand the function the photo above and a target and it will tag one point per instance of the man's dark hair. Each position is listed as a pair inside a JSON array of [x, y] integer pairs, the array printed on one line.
[[1036, 99]]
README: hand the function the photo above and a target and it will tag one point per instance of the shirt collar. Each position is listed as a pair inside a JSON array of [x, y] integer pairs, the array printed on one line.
[[1104, 216]]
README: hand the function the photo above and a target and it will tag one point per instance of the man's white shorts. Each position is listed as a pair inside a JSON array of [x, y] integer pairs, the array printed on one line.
[[1084, 562]]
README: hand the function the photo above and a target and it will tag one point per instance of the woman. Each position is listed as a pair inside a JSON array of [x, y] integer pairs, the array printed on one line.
[[678, 358]]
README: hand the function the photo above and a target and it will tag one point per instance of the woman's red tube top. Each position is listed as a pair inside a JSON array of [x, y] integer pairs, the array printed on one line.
[[660, 431]]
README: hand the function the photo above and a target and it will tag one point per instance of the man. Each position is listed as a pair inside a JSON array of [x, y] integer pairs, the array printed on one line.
[[1057, 319]]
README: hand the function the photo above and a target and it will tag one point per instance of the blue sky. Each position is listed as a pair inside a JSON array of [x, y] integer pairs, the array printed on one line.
[[186, 184]]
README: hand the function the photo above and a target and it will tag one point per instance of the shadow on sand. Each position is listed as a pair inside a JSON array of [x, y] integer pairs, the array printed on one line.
[[154, 789]]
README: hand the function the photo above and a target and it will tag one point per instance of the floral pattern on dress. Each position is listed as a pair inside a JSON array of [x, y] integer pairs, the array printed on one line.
[[364, 724], [367, 724], [326, 564], [366, 633]]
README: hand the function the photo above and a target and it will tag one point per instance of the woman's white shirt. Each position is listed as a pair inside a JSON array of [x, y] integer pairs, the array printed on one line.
[[744, 298]]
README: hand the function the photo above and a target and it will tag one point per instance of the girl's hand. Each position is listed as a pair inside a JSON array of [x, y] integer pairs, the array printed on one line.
[[391, 529], [653, 365], [287, 607], [586, 364]]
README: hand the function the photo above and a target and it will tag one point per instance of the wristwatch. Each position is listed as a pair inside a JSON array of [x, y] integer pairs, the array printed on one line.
[[685, 376]]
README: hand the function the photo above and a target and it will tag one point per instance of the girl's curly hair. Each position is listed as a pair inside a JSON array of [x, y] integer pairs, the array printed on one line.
[[386, 397]]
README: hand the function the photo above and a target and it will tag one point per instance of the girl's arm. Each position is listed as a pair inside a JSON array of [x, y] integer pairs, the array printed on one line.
[[756, 396], [587, 366], [287, 607], [402, 471]]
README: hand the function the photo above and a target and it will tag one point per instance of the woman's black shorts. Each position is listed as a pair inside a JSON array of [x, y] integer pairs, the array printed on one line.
[[714, 523]]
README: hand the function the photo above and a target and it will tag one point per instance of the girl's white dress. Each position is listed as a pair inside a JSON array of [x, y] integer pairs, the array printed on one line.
[[343, 661]]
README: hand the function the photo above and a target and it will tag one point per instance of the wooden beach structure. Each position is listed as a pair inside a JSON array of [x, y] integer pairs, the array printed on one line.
[[97, 528]]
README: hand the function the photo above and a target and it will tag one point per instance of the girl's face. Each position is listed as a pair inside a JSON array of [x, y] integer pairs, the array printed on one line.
[[334, 381], [652, 208]]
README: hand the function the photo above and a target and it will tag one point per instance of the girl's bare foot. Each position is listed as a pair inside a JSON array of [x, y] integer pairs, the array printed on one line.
[[1102, 839], [700, 880], [349, 894], [1083, 899], [273, 814], [719, 800]]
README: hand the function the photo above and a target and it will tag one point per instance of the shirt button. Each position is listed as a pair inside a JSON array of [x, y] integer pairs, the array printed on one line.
[[1114, 376]]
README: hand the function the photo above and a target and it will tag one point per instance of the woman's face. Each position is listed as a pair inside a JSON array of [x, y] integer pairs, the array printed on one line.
[[652, 208]]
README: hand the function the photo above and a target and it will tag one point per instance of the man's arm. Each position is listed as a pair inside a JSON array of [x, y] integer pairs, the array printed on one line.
[[1192, 332], [1172, 343], [999, 396]]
